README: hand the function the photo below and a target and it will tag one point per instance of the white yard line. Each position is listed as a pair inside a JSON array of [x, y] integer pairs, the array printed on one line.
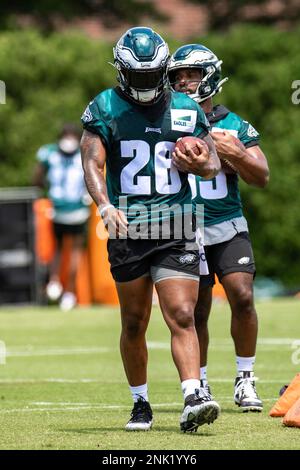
[[88, 380], [56, 351], [216, 344], [86, 407]]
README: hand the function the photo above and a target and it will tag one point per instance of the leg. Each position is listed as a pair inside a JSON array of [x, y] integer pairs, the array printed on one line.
[[239, 290], [202, 312], [55, 264], [77, 241], [54, 288], [69, 300], [135, 301], [177, 298]]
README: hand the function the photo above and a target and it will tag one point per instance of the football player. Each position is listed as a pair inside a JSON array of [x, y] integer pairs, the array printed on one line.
[[196, 71], [132, 129], [59, 170]]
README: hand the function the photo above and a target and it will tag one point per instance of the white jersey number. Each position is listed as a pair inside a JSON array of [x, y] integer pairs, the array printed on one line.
[[167, 179], [215, 188]]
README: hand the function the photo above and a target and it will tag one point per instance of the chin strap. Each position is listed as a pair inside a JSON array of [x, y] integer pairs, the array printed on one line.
[[218, 89]]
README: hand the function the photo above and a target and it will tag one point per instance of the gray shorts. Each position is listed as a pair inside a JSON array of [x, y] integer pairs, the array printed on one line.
[[159, 273]]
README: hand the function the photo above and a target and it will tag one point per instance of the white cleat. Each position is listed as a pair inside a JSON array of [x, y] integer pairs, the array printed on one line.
[[68, 301], [54, 290], [198, 409], [245, 394]]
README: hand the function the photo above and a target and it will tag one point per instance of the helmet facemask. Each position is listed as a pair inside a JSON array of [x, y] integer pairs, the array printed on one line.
[[144, 86]]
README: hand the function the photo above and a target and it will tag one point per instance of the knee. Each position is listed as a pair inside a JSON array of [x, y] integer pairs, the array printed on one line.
[[183, 316], [243, 302], [134, 326]]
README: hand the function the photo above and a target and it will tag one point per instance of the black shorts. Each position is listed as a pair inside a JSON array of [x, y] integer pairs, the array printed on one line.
[[232, 256], [130, 259], [65, 229]]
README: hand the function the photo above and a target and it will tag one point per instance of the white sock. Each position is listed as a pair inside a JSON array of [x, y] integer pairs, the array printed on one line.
[[139, 391], [189, 386], [203, 373], [245, 363]]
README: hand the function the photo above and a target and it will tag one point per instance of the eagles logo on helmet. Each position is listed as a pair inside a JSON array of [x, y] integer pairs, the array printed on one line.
[[141, 57], [196, 56]]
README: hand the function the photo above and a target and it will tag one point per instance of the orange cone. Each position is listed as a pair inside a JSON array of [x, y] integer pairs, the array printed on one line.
[[287, 400], [292, 418]]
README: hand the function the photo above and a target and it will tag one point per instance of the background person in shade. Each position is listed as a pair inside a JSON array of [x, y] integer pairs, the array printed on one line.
[[59, 170]]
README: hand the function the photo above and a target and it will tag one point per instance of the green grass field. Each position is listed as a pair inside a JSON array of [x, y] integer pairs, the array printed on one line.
[[63, 385]]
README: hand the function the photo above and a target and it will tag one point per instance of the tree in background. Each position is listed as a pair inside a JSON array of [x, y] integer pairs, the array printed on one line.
[[49, 79], [47, 13], [225, 13]]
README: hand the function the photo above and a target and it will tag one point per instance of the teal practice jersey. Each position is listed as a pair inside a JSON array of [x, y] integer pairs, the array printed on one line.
[[139, 141], [221, 195], [65, 178]]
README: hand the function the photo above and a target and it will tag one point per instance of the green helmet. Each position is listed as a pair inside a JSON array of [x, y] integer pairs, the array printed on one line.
[[196, 56], [141, 59]]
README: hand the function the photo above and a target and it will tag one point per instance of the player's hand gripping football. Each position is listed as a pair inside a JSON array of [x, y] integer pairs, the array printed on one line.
[[227, 145], [193, 159]]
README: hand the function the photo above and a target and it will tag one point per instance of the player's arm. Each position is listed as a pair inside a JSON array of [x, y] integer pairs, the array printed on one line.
[[206, 164], [214, 161], [250, 163], [253, 167], [93, 155]]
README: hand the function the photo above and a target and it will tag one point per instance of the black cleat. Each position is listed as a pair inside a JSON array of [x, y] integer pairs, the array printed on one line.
[[199, 409], [141, 416]]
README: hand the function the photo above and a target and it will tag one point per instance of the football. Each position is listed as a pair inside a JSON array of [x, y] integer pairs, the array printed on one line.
[[191, 141], [227, 166]]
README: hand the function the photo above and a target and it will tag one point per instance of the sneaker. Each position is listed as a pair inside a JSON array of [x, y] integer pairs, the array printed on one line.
[[54, 290], [245, 394], [68, 301], [199, 409], [204, 384], [141, 416]]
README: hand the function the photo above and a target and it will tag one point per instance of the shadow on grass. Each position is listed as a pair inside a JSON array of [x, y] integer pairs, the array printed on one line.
[[227, 410], [160, 429], [230, 411]]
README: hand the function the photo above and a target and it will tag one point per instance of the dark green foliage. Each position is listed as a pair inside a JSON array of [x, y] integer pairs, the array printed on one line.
[[50, 80], [47, 13], [262, 64]]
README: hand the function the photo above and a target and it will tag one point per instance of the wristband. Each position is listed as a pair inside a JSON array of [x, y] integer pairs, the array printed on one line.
[[102, 211]]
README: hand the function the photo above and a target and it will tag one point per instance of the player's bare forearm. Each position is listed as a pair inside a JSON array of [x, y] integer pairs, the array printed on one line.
[[213, 165], [93, 155], [252, 166]]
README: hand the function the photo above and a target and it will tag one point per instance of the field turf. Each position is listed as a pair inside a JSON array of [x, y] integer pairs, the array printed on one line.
[[63, 385]]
